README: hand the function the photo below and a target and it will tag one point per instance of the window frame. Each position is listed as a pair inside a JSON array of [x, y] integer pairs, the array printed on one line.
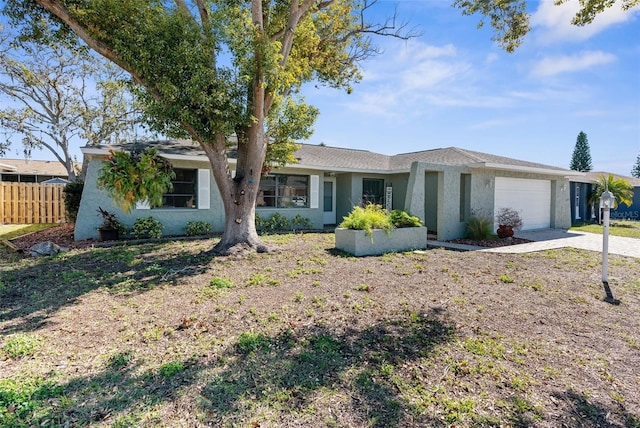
[[180, 181], [279, 192], [377, 199]]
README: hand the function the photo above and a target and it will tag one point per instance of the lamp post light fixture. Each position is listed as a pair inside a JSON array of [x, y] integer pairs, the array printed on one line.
[[606, 202]]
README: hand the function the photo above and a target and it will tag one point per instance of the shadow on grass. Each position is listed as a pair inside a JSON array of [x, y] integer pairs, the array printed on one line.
[[307, 376], [33, 289], [587, 413], [284, 373], [297, 369]]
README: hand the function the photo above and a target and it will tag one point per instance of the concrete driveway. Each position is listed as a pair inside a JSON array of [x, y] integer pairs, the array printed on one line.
[[546, 239]]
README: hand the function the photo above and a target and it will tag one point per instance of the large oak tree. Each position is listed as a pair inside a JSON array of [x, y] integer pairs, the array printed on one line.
[[208, 69]]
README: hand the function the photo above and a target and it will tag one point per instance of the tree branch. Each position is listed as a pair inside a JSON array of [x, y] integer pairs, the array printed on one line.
[[56, 8]]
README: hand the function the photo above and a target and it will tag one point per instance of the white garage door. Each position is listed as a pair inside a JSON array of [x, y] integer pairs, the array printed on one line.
[[531, 198]]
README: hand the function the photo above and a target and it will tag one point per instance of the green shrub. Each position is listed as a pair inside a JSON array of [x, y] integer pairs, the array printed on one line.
[[479, 227], [197, 228], [299, 222], [278, 222], [273, 224], [72, 193], [401, 218], [147, 227], [370, 217]]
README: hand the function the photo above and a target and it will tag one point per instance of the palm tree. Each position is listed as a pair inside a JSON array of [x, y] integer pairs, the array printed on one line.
[[622, 190]]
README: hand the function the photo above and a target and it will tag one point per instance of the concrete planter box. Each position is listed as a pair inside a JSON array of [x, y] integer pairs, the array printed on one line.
[[403, 239]]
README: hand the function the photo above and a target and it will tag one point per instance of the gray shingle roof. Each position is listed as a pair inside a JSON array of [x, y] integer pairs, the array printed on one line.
[[360, 160], [364, 160], [338, 158]]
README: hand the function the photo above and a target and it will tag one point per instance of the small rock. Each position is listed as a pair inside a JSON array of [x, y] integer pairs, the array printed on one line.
[[46, 248]]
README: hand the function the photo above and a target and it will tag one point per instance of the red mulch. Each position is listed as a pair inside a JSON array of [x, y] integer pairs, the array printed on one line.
[[491, 243]]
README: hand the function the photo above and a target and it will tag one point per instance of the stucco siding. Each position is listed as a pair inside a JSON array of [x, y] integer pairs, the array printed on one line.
[[399, 184], [174, 220]]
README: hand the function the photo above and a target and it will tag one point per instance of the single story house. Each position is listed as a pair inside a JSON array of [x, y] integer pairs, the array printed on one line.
[[580, 190], [32, 171], [443, 187]]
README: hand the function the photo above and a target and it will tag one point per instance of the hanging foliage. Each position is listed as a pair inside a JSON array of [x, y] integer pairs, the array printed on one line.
[[137, 176]]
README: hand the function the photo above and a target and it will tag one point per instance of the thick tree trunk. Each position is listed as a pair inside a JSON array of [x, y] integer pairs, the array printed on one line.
[[238, 194]]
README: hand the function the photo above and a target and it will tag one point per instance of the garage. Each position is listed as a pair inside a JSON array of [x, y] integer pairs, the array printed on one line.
[[531, 198]]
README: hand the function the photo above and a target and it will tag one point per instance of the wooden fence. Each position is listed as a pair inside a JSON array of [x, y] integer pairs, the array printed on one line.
[[29, 203]]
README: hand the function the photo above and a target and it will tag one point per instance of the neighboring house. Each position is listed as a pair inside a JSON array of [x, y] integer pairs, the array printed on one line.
[[31, 171], [582, 211], [444, 187]]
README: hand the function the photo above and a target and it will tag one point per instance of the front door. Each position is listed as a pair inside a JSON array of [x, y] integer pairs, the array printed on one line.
[[329, 200]]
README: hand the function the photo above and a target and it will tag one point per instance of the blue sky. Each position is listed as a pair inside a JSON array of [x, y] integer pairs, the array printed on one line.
[[453, 86]]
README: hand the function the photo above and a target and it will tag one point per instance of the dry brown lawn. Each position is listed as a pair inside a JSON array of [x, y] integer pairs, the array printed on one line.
[[164, 334]]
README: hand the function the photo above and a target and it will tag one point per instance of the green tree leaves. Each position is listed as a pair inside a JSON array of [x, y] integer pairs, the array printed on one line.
[[622, 190], [135, 177]]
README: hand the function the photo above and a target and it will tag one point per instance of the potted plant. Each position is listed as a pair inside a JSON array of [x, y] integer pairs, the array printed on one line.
[[111, 227], [508, 221]]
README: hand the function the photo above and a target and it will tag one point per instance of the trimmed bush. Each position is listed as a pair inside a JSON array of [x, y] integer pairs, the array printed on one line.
[[147, 227], [197, 228], [401, 218], [370, 217], [278, 222]]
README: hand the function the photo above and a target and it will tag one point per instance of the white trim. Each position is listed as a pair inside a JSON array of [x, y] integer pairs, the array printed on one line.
[[520, 168], [314, 191], [8, 168], [204, 189], [477, 165], [143, 205], [329, 217]]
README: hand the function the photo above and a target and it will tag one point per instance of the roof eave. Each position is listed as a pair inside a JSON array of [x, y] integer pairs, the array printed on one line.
[[527, 169], [6, 167], [103, 151]]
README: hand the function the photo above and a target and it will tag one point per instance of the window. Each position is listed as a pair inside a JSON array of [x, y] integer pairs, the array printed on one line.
[[372, 191], [184, 192], [283, 191]]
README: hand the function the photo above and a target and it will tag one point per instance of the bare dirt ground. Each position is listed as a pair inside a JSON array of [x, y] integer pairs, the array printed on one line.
[[165, 334]]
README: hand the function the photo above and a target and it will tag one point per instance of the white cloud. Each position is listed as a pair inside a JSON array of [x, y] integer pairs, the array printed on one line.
[[551, 66], [430, 74], [553, 22], [491, 58]]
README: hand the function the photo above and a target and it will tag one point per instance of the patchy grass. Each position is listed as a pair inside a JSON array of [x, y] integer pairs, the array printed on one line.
[[629, 229], [164, 334], [10, 231]]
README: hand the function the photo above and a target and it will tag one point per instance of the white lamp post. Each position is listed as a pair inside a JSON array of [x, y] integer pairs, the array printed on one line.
[[606, 201]]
